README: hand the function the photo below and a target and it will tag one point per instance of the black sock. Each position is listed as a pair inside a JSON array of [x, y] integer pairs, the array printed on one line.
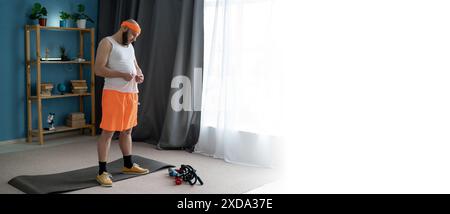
[[102, 167], [127, 162]]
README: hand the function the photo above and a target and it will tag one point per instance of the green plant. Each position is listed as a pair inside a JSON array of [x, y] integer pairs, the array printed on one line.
[[81, 14], [63, 15], [38, 11]]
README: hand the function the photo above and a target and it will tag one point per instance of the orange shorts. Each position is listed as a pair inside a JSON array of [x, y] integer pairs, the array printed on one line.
[[119, 110]]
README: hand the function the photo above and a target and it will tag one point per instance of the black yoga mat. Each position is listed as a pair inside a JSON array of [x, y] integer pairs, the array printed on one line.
[[80, 178]]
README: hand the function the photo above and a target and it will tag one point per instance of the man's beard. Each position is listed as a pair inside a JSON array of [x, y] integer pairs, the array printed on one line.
[[125, 38]]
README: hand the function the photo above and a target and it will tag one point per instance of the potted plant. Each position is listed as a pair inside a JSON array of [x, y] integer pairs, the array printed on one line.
[[81, 17], [39, 12], [63, 53], [64, 17]]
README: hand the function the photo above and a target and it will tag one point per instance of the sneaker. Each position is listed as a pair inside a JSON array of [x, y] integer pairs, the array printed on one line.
[[135, 170], [104, 179]]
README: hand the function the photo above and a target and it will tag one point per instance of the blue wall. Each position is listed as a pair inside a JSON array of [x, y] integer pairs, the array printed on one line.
[[13, 18]]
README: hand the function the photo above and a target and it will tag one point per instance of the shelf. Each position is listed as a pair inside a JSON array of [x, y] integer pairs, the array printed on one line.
[[60, 129], [61, 62], [61, 96], [35, 27]]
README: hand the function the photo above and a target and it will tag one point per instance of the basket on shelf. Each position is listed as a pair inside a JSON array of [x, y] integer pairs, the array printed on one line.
[[76, 119]]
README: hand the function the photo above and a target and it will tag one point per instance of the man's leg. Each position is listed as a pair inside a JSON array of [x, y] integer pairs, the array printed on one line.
[[125, 143], [103, 145], [125, 146]]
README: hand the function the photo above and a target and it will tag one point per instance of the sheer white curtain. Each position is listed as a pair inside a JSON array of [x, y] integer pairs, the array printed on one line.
[[242, 85]]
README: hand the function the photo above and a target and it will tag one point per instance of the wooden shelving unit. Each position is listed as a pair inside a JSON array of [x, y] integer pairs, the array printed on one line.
[[40, 132]]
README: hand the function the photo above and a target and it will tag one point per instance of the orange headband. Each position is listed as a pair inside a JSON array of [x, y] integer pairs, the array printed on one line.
[[132, 26]]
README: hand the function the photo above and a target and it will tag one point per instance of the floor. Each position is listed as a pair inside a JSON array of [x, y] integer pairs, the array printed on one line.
[[64, 153]]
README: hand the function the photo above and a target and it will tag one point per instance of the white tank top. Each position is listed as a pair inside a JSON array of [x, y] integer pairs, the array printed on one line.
[[121, 59]]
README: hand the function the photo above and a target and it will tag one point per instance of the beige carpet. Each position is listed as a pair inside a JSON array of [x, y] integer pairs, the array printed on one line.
[[218, 175]]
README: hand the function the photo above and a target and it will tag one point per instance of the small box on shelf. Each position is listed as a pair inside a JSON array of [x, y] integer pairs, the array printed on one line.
[[75, 123], [76, 116], [46, 89], [76, 119]]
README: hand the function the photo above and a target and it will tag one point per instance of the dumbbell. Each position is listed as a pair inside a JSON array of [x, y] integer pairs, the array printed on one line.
[[173, 172], [178, 181]]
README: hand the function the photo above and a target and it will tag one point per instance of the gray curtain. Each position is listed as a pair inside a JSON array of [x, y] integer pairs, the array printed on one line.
[[170, 46]]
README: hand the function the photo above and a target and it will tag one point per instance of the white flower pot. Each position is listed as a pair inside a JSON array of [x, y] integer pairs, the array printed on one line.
[[81, 23]]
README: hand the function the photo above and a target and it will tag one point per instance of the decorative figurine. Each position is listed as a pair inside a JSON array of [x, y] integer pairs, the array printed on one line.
[[46, 53], [51, 121], [63, 53]]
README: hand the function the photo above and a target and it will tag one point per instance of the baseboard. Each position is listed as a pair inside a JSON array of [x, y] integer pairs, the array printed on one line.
[[48, 137], [19, 140]]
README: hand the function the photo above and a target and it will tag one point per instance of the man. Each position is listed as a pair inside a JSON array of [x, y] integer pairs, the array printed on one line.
[[116, 62]]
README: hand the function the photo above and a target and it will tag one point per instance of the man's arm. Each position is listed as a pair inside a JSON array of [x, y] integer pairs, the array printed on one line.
[[140, 75], [138, 69], [103, 50]]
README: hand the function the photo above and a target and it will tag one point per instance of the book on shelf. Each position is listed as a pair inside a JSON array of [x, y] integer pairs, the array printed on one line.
[[77, 81], [80, 87], [46, 93], [79, 91], [46, 87]]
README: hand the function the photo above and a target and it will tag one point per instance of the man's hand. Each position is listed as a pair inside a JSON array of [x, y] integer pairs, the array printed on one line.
[[139, 78], [127, 76]]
